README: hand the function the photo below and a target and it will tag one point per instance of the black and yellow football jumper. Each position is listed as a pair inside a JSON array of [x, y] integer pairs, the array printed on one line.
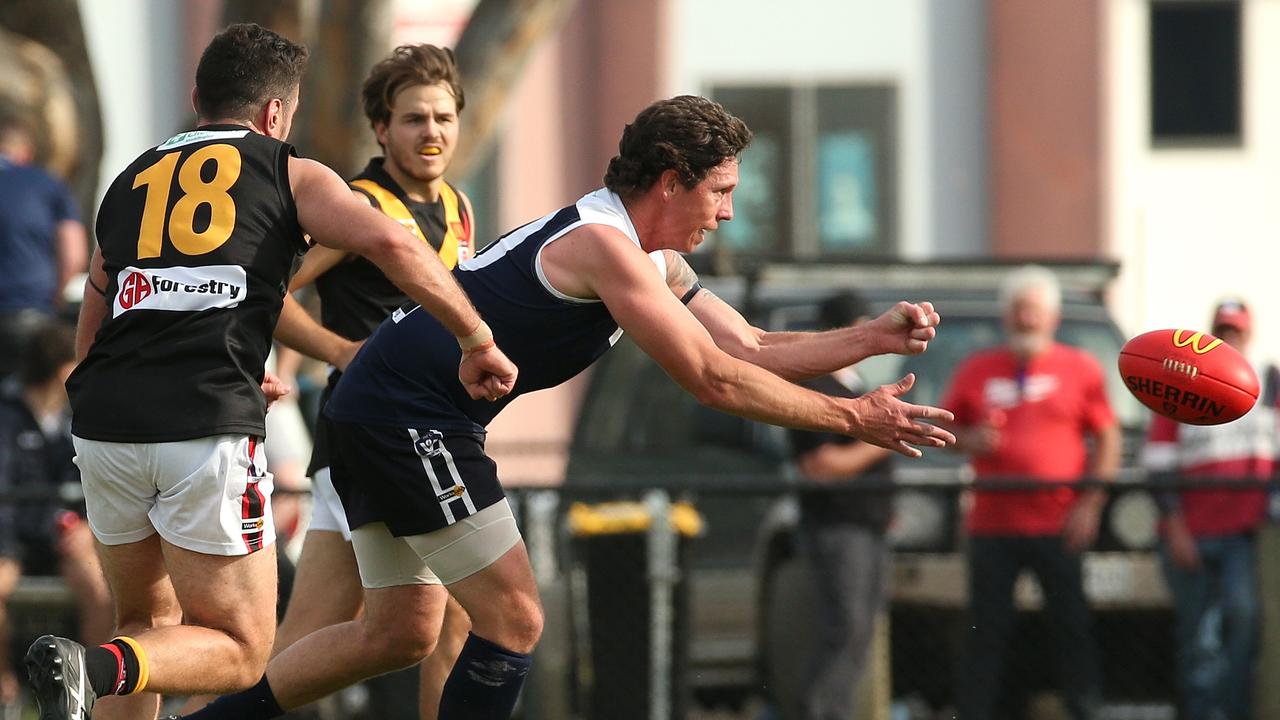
[[355, 296]]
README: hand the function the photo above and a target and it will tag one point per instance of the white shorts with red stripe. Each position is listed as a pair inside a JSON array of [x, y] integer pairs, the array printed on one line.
[[208, 495], [326, 506]]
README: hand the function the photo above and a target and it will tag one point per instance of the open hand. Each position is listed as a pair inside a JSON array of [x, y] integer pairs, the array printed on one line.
[[886, 421], [487, 374]]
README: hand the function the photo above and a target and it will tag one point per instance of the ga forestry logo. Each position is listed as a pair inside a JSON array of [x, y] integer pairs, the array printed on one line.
[[133, 289], [180, 289]]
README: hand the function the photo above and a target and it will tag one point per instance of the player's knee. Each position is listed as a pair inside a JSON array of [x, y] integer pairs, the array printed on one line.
[[245, 676], [260, 652], [246, 655], [406, 644], [515, 623], [524, 626], [248, 661]]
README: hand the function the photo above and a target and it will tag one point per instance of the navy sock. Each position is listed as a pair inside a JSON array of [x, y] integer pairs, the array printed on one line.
[[485, 681], [256, 703]]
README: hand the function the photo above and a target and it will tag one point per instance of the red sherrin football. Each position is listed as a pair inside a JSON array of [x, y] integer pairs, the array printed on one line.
[[1192, 377]]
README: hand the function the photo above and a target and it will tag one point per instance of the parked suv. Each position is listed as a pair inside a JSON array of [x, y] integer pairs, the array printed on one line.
[[748, 607]]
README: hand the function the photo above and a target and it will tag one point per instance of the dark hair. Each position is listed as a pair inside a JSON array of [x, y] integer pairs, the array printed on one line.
[[688, 134], [406, 66], [13, 124], [50, 345], [841, 309], [244, 67]]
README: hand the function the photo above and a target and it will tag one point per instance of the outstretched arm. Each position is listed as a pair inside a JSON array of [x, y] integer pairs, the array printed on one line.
[[605, 263], [906, 329]]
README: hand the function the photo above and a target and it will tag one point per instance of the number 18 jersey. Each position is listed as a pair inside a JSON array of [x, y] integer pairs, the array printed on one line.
[[198, 237]]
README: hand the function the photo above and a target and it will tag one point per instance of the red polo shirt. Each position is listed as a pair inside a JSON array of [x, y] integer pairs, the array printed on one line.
[[1045, 410]]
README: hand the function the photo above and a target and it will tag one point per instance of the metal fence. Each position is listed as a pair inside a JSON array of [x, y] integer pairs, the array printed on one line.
[[708, 615], [739, 614]]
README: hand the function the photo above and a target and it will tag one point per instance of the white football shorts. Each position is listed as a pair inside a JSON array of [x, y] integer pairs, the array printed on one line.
[[209, 495], [326, 506]]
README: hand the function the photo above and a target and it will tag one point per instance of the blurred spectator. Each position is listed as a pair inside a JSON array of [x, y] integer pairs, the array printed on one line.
[[1208, 544], [1026, 412], [42, 241], [288, 449], [842, 537], [40, 536], [288, 446]]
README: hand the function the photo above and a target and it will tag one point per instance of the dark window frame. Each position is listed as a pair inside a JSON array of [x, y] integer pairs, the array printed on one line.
[[797, 116], [1195, 95]]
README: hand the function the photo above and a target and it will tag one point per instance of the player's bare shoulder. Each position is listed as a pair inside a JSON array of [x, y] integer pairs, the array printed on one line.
[[305, 173], [589, 254]]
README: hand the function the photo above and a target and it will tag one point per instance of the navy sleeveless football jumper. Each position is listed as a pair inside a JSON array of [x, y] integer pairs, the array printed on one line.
[[403, 385]]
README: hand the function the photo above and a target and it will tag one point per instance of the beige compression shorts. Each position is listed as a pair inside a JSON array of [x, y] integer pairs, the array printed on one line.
[[441, 557]]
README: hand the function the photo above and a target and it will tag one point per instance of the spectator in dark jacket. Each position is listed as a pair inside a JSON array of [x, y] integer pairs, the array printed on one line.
[[842, 537], [40, 532]]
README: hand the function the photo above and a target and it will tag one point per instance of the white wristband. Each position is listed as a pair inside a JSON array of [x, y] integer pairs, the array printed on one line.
[[480, 339]]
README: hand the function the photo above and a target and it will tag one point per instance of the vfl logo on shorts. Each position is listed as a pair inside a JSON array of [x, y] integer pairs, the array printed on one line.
[[452, 493], [181, 289], [431, 444]]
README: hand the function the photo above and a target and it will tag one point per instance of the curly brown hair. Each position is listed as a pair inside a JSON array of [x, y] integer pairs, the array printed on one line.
[[244, 67], [688, 134], [406, 66]]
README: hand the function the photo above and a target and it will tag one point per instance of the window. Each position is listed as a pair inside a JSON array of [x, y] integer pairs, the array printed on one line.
[[819, 179], [762, 202], [854, 175], [1195, 72]]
